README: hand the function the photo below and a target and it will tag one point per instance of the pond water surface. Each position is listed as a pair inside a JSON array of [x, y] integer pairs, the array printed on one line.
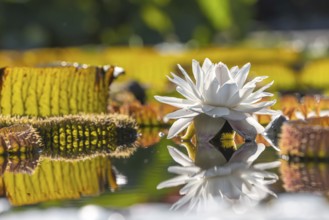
[[41, 184]]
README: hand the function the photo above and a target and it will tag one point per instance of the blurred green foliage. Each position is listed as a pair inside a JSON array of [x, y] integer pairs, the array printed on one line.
[[38, 23]]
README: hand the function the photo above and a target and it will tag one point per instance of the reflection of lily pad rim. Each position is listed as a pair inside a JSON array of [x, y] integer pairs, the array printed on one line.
[[218, 95], [60, 179], [304, 176], [306, 138]]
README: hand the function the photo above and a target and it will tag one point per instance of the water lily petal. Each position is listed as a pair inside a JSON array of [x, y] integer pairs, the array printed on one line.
[[194, 188], [176, 181], [247, 89], [266, 166], [211, 94], [262, 89], [219, 170], [253, 97], [263, 176], [187, 88], [179, 126], [195, 203], [201, 108], [224, 93], [245, 92], [234, 70], [178, 80], [236, 115], [210, 82], [251, 108], [186, 93], [264, 189], [222, 73], [253, 194], [209, 76], [238, 183], [255, 80], [208, 156], [228, 189], [181, 113], [189, 81], [247, 128], [207, 127], [241, 77], [206, 108], [184, 170], [267, 111], [256, 99], [234, 100], [179, 157], [177, 102], [213, 189], [247, 153], [189, 187], [207, 64], [217, 112], [198, 74]]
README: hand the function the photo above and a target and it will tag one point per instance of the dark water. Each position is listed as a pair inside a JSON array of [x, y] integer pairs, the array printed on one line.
[[116, 182]]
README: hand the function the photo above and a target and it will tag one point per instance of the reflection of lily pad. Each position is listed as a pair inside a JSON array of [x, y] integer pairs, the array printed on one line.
[[306, 138], [60, 179], [305, 177], [19, 137], [19, 163]]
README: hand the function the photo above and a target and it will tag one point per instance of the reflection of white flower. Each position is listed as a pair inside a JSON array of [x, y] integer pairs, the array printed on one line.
[[218, 95], [212, 179]]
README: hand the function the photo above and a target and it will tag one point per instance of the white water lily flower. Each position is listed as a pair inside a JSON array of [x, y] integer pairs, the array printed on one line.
[[217, 95], [213, 179]]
